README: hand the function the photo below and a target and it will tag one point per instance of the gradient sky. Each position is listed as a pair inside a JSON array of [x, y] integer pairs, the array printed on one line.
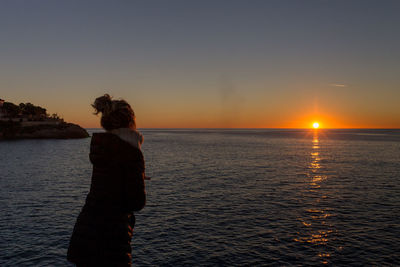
[[207, 63]]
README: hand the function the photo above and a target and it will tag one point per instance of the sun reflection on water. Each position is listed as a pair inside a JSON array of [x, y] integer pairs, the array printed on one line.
[[315, 229]]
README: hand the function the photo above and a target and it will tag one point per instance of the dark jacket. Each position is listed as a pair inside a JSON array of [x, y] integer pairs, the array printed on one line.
[[103, 230]]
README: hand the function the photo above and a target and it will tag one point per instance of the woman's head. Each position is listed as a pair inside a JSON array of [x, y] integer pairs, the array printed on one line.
[[114, 113]]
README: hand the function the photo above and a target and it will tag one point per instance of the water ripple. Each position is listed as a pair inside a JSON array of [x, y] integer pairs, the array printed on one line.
[[216, 198]]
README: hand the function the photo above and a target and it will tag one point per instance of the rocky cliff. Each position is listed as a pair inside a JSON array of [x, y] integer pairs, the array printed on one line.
[[14, 130]]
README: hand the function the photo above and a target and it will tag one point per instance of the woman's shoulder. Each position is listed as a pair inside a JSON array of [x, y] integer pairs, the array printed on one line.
[[110, 145], [131, 136]]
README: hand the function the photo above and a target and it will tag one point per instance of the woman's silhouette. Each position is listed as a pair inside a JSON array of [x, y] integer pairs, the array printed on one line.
[[103, 230]]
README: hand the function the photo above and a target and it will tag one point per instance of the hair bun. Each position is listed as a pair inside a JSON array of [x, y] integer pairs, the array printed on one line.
[[102, 104]]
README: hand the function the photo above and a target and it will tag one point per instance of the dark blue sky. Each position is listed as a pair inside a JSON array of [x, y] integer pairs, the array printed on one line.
[[207, 63]]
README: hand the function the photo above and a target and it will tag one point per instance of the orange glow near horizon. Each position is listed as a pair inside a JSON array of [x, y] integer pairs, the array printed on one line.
[[86, 119], [165, 116]]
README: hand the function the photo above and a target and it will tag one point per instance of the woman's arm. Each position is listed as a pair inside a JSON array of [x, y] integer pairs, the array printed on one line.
[[135, 191]]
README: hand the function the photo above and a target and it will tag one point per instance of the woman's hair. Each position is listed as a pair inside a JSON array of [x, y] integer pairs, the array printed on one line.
[[114, 113]]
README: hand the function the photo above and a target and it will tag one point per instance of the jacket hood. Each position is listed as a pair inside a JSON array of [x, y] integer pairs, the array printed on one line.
[[133, 137], [108, 147]]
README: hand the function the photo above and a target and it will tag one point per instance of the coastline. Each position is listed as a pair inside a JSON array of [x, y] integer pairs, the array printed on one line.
[[15, 130]]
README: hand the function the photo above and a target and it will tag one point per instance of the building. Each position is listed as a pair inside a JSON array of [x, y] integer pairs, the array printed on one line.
[[1, 102]]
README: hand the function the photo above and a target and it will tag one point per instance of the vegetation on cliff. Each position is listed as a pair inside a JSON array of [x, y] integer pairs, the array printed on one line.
[[32, 122], [24, 110]]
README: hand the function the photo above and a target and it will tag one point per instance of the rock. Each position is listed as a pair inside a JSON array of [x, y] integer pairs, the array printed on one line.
[[44, 131]]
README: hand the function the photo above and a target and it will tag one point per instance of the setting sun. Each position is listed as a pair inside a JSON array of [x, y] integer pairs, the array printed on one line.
[[316, 125]]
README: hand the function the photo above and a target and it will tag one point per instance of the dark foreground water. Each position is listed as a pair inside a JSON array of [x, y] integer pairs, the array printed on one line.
[[219, 197]]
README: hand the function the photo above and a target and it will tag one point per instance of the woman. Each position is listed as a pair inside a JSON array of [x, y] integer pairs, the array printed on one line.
[[103, 231]]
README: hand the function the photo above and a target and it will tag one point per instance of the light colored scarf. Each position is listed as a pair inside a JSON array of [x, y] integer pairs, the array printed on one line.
[[133, 137]]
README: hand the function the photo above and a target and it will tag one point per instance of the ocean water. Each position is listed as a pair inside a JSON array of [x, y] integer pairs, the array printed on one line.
[[219, 198]]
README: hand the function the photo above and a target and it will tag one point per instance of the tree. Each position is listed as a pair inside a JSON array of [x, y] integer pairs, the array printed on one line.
[[11, 109], [55, 116], [30, 109], [38, 111]]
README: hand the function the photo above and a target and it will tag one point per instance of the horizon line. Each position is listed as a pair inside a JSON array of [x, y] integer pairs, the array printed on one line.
[[258, 128]]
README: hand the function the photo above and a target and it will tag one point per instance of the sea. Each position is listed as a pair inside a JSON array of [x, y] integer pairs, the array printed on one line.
[[219, 197]]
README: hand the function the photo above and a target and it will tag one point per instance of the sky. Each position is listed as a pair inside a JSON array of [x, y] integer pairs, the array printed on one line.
[[207, 64]]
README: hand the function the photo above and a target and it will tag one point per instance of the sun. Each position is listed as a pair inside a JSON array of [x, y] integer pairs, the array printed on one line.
[[316, 125]]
